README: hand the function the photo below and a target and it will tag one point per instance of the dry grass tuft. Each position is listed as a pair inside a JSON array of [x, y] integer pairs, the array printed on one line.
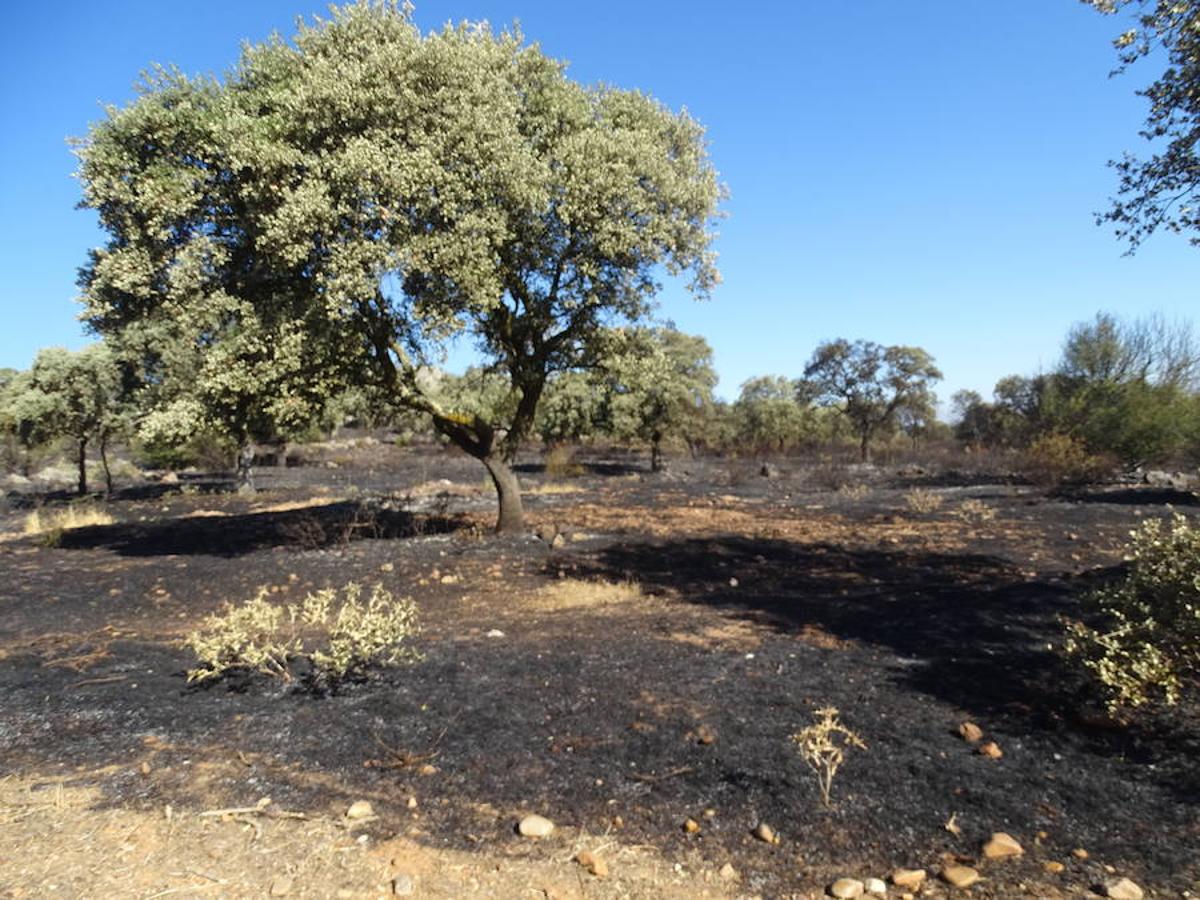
[[975, 511], [51, 523], [560, 463], [553, 488], [293, 505], [855, 491], [921, 500], [575, 593]]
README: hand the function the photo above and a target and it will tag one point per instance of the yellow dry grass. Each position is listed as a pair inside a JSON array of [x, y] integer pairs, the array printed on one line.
[[56, 521], [553, 488], [292, 505], [575, 593]]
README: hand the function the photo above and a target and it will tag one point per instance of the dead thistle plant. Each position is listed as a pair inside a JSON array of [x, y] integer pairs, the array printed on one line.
[[823, 747]]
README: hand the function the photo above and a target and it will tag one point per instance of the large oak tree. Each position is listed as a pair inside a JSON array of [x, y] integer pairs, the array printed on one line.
[[372, 193]]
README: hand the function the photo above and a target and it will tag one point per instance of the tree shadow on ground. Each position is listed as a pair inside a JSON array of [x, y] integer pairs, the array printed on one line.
[[1138, 496], [310, 528], [589, 468], [968, 629]]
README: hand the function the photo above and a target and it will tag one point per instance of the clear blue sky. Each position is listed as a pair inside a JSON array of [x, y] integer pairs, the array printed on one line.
[[920, 173]]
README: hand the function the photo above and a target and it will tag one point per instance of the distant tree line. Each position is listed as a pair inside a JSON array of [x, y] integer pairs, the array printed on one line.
[[1128, 391]]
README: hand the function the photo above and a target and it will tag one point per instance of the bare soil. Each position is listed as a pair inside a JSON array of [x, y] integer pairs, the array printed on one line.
[[618, 715]]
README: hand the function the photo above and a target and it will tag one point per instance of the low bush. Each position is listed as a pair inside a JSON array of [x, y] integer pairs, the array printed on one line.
[[1149, 646], [921, 500], [1056, 459], [975, 511], [338, 634]]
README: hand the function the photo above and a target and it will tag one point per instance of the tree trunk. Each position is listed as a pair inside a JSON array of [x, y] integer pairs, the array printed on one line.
[[108, 482], [245, 467], [656, 463], [508, 493], [82, 466], [864, 447]]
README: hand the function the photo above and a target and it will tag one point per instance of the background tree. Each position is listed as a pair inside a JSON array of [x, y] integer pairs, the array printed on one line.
[[870, 383], [1126, 388], [381, 191], [659, 381], [1163, 190], [767, 415], [67, 394], [572, 408]]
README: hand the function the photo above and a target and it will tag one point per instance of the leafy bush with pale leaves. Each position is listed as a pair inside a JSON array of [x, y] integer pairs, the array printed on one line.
[[338, 632], [1150, 645]]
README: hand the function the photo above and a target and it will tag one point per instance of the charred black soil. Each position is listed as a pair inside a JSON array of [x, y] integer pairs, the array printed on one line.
[[759, 601]]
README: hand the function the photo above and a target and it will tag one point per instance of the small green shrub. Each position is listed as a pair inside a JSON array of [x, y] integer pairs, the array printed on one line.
[[1151, 644], [338, 633]]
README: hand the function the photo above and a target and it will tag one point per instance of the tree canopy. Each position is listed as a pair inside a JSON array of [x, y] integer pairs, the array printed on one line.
[[66, 394], [871, 384], [1163, 189], [373, 192]]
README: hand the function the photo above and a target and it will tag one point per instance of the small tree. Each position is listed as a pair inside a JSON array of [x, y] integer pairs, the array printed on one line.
[[767, 414], [871, 383], [658, 382], [572, 408], [75, 395]]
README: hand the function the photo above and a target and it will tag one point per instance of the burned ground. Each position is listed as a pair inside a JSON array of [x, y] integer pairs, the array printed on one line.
[[757, 601]]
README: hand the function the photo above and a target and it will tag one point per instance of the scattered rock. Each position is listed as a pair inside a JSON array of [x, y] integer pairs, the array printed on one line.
[[449, 579], [360, 809], [970, 732], [1053, 867], [559, 540], [535, 826], [875, 887], [765, 833], [710, 813], [403, 886], [1079, 853], [593, 863], [495, 633], [705, 735], [427, 769], [960, 876], [412, 803], [908, 879], [281, 886], [691, 826], [1123, 890], [728, 872], [846, 888], [733, 582], [1002, 846], [991, 750]]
